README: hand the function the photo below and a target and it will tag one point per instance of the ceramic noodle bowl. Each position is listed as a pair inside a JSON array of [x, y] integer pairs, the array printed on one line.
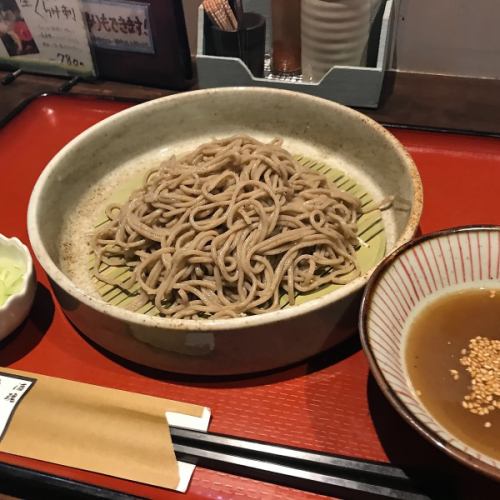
[[101, 164]]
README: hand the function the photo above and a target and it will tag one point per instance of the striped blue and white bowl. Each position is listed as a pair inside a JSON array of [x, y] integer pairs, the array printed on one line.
[[452, 258]]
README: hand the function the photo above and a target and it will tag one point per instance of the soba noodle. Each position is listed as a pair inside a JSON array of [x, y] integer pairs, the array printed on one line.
[[227, 230]]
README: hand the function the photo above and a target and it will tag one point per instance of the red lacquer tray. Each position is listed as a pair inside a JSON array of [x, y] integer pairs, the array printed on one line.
[[330, 404]]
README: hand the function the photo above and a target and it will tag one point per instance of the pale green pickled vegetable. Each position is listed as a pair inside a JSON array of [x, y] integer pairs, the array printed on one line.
[[11, 278]]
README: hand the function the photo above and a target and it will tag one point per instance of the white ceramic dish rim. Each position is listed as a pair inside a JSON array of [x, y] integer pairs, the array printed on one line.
[[15, 242], [208, 324], [377, 372]]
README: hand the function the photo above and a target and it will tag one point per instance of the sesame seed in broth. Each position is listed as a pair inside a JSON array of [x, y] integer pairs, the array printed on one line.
[[452, 357]]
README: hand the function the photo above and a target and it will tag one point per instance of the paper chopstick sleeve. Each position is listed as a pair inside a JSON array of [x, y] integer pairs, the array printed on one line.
[[113, 432]]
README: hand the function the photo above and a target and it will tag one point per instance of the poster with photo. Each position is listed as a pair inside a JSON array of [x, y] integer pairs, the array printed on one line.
[[47, 36], [14, 32]]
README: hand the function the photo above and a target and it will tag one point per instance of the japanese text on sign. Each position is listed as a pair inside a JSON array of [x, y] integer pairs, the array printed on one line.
[[54, 11], [119, 25], [34, 34], [12, 389]]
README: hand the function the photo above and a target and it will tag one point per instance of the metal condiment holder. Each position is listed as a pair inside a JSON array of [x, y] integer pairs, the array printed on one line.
[[358, 86]]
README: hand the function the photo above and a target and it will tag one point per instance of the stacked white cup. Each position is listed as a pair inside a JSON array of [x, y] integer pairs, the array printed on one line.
[[334, 32]]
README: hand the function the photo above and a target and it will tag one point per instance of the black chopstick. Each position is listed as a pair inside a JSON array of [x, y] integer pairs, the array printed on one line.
[[295, 467], [23, 482]]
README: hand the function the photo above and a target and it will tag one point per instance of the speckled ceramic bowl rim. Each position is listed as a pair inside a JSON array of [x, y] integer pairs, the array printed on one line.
[[220, 324], [391, 395], [26, 276]]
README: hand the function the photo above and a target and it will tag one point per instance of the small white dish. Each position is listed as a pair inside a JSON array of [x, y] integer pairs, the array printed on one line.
[[17, 306]]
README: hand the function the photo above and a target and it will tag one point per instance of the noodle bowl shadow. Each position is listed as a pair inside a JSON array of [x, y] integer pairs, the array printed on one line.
[[150, 132]]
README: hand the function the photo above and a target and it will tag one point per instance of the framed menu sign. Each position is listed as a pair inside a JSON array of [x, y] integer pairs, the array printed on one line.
[[119, 25], [140, 41], [46, 36]]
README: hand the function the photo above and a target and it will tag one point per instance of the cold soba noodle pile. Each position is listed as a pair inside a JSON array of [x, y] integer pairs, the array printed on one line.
[[229, 228]]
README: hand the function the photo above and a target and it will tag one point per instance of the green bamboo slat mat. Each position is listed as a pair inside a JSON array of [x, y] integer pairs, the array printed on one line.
[[370, 231]]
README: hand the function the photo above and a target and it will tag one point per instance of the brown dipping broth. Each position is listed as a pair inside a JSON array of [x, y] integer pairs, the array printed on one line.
[[434, 343]]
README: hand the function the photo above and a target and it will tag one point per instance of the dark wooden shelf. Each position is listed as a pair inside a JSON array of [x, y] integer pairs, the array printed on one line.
[[440, 102], [409, 99]]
